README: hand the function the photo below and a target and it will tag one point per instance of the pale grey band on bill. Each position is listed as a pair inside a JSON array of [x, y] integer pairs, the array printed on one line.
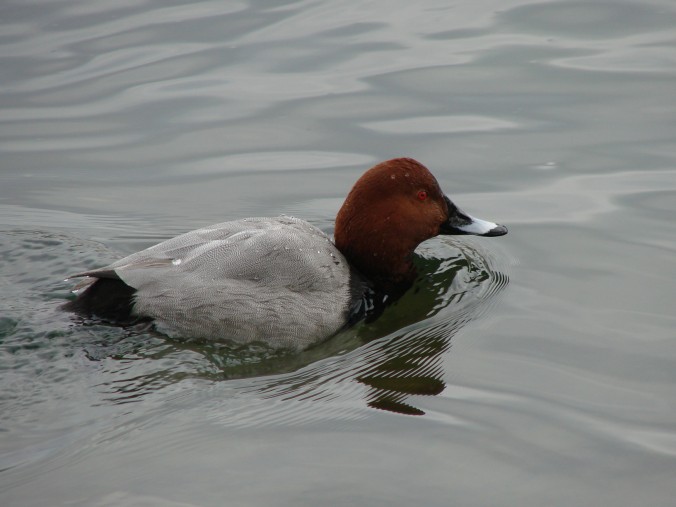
[[481, 227]]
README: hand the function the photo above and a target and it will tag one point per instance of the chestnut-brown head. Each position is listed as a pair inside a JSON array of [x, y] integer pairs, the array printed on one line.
[[392, 208]]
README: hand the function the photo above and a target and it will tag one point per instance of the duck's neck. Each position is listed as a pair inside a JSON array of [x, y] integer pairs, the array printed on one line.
[[381, 256]]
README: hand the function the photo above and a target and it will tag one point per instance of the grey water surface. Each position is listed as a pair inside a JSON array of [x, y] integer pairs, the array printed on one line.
[[538, 368]]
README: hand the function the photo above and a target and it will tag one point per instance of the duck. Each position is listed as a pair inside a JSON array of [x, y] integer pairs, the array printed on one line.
[[281, 280]]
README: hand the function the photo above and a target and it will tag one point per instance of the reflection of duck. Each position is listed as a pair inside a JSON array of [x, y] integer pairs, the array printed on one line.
[[412, 367], [280, 280], [412, 364]]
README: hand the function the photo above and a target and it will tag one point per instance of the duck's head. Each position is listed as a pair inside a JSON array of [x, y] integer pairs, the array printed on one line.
[[392, 208]]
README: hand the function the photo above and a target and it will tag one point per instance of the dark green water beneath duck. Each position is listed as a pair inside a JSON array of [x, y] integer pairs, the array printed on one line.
[[532, 369]]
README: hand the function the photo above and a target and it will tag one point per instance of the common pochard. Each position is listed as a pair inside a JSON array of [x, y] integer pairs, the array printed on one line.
[[282, 280]]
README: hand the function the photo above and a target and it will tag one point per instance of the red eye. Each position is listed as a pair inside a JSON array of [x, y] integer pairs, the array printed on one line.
[[422, 195]]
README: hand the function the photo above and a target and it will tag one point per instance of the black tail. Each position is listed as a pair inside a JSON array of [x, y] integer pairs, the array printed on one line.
[[106, 298]]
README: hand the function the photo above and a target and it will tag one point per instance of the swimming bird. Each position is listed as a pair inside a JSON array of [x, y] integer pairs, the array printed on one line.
[[281, 280]]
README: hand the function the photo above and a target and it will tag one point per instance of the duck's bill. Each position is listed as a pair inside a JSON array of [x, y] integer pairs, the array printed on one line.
[[460, 222]]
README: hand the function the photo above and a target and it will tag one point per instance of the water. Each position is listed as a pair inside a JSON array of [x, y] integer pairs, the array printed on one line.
[[533, 369]]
